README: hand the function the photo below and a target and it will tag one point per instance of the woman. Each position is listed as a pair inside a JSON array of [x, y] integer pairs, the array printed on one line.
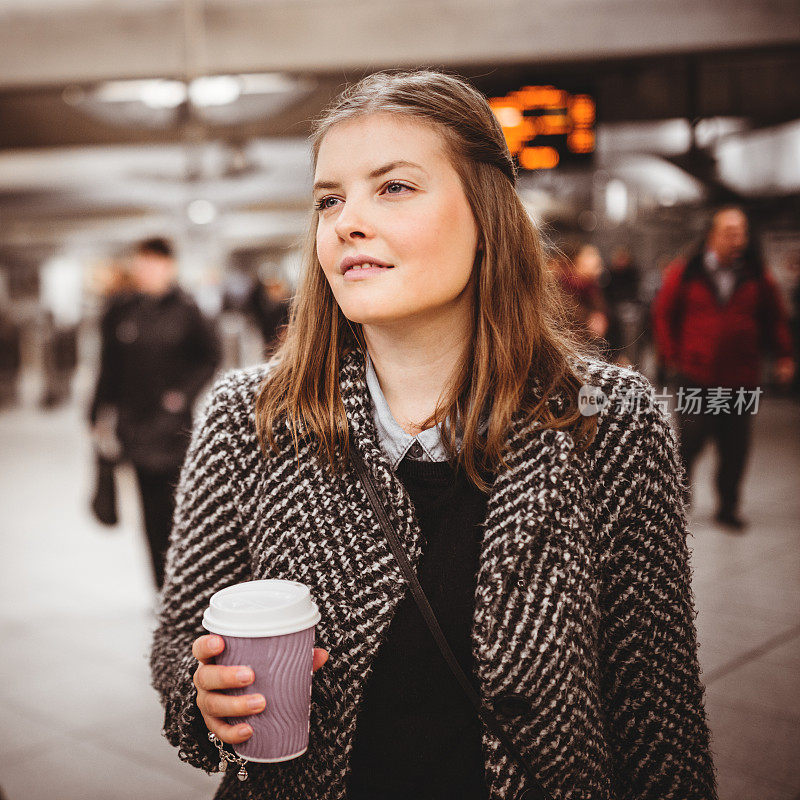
[[551, 542], [579, 268]]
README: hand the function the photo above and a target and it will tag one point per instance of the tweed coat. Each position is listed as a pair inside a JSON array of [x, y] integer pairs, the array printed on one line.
[[584, 613]]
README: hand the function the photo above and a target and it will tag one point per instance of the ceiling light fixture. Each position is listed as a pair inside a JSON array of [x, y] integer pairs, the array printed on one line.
[[215, 90], [216, 99], [201, 212]]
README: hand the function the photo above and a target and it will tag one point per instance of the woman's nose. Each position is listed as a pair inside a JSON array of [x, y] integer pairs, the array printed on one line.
[[353, 219]]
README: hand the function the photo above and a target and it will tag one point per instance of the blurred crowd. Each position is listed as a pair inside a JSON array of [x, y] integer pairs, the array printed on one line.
[[718, 316], [717, 327], [157, 352], [247, 305], [607, 299], [717, 320]]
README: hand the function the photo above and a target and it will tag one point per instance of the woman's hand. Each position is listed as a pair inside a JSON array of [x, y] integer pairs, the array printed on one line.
[[210, 679]]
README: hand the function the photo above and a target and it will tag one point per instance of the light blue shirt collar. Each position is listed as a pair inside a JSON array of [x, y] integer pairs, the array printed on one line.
[[395, 441]]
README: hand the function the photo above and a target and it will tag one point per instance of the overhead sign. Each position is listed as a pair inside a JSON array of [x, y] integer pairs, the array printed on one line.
[[545, 126]]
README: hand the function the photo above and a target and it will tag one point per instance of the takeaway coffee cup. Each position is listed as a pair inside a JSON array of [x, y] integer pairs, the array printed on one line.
[[269, 626]]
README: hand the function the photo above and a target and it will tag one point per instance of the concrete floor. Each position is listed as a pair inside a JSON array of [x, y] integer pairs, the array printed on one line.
[[79, 721]]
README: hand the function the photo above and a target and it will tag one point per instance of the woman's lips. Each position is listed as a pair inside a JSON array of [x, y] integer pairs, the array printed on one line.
[[363, 271]]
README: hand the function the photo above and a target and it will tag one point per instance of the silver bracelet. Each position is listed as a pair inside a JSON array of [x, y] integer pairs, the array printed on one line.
[[225, 757]]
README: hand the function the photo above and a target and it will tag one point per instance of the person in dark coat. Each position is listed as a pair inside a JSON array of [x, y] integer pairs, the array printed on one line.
[[60, 358], [714, 318], [268, 304], [158, 353], [620, 285], [10, 358], [621, 281]]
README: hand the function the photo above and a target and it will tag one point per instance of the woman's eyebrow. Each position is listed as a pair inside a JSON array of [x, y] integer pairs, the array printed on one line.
[[376, 173]]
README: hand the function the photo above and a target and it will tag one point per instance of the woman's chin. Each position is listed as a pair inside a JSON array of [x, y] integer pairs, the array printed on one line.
[[376, 314], [391, 314], [375, 319]]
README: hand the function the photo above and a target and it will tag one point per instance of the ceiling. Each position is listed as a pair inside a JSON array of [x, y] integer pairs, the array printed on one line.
[[75, 173], [51, 44]]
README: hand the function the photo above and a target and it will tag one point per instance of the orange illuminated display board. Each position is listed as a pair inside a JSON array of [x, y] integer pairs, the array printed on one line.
[[545, 126]]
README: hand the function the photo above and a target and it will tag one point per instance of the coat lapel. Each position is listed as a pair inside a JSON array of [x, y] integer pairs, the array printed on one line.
[[536, 538], [358, 407]]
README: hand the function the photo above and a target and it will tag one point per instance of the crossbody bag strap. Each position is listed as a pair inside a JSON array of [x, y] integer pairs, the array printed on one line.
[[536, 791]]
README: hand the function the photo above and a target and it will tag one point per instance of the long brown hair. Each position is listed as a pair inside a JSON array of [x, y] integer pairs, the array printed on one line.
[[519, 356]]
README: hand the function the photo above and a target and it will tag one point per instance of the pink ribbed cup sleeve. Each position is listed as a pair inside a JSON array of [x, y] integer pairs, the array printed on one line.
[[282, 667]]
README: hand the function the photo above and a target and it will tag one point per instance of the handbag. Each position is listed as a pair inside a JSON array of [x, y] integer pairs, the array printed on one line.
[[535, 791], [104, 499]]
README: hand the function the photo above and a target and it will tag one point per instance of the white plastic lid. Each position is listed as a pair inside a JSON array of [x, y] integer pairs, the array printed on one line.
[[261, 608]]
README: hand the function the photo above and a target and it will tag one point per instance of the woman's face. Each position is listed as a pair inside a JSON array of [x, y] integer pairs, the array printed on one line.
[[385, 190], [588, 263]]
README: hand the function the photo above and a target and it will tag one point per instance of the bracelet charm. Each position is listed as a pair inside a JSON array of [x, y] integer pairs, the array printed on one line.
[[225, 757]]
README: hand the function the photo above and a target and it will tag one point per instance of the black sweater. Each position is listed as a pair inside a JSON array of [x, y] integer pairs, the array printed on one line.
[[417, 734]]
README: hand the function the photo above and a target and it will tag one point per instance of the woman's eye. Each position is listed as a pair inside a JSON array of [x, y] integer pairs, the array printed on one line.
[[395, 184], [322, 205], [393, 187]]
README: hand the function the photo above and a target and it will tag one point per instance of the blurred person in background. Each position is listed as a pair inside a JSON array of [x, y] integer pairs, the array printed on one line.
[[578, 270], [158, 352], [620, 284], [716, 315], [268, 305], [113, 284], [621, 279], [265, 303], [10, 356], [60, 358]]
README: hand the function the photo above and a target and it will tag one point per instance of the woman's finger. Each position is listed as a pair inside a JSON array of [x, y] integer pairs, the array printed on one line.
[[206, 647], [320, 657], [211, 678], [232, 734], [216, 704], [211, 645]]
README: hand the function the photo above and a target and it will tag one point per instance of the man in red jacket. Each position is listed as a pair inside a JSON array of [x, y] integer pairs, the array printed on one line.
[[713, 319]]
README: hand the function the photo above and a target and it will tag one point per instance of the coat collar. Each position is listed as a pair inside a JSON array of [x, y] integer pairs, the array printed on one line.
[[364, 436], [537, 534], [543, 480]]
